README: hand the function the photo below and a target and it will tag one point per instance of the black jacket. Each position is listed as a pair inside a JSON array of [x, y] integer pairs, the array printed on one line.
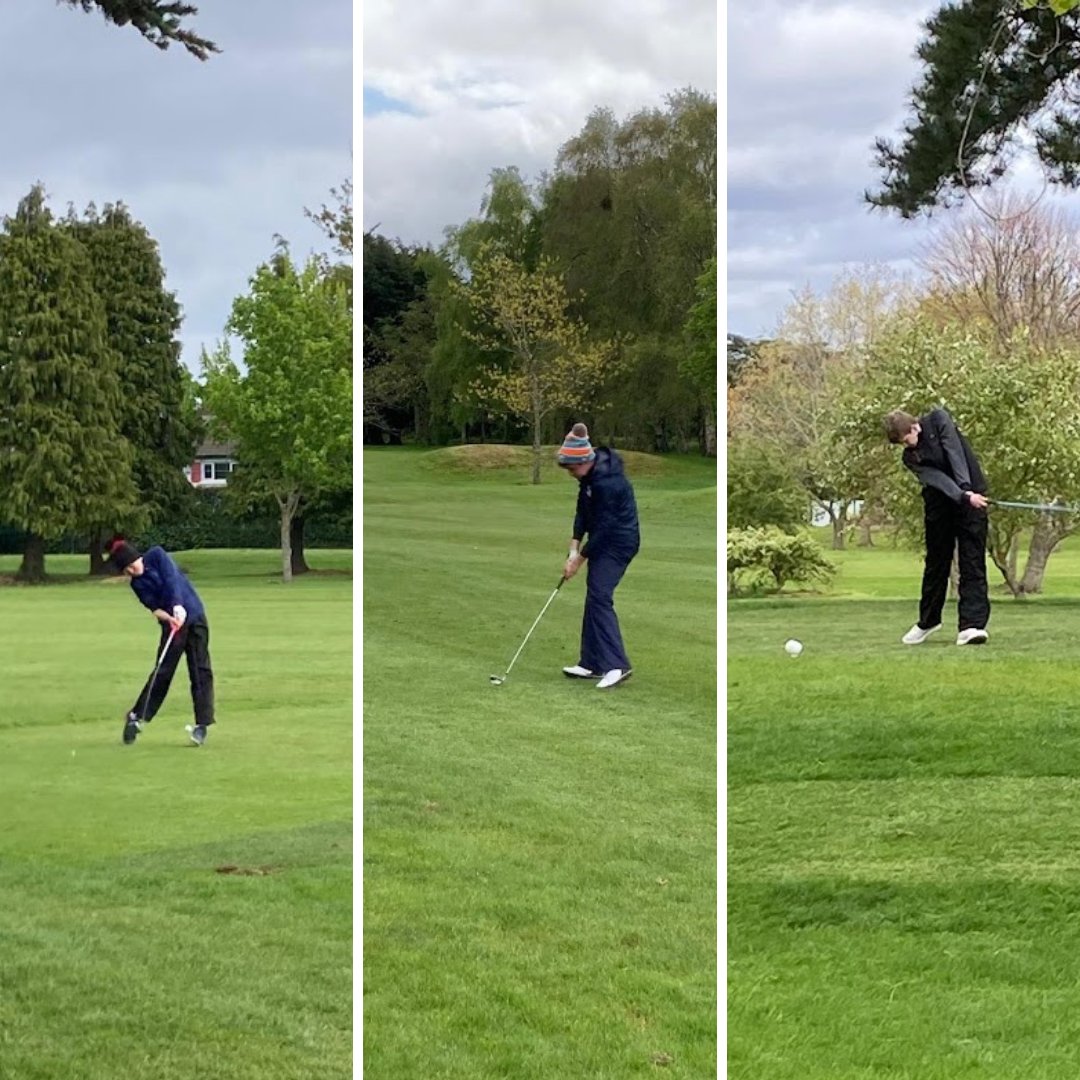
[[943, 460], [606, 509]]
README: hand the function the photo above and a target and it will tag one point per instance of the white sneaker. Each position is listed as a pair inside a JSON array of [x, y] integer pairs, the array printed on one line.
[[613, 678], [917, 635], [579, 672], [973, 635]]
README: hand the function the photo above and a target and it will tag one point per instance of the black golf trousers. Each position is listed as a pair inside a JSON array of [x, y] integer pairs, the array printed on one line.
[[601, 642], [192, 641], [955, 528]]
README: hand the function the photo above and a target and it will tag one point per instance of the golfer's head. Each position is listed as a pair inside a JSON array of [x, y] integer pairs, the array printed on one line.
[[576, 455], [902, 428], [125, 557]]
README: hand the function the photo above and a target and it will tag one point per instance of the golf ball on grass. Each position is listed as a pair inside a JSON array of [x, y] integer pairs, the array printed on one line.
[[792, 647]]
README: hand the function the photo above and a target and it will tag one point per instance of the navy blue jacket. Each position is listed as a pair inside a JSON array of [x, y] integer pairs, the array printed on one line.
[[162, 586], [606, 509], [943, 460]]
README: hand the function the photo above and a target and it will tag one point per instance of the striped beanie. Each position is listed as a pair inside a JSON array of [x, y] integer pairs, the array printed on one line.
[[576, 448]]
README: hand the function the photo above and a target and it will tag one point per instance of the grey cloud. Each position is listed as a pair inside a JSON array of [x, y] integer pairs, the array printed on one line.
[[214, 158]]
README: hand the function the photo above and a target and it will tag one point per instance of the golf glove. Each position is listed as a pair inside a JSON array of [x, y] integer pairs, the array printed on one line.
[[180, 614]]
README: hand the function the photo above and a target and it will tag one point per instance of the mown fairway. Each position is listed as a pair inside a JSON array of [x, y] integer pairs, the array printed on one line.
[[540, 858], [904, 835], [123, 952]]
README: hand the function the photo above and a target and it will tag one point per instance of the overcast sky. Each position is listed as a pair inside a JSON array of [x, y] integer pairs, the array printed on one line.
[[810, 85], [213, 158], [453, 90]]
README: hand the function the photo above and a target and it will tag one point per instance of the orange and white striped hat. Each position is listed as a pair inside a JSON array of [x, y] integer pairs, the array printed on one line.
[[576, 448]]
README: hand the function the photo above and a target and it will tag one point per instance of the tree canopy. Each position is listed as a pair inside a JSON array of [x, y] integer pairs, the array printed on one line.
[[994, 73]]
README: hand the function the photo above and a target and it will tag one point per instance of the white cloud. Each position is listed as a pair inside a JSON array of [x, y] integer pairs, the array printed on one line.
[[810, 86], [496, 84]]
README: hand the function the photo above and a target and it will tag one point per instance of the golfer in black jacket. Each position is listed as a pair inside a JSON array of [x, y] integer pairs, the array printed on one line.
[[954, 497], [607, 514]]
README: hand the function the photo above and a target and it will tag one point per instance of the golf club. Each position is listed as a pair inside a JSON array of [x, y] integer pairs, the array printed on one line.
[[498, 680], [157, 668], [1059, 508]]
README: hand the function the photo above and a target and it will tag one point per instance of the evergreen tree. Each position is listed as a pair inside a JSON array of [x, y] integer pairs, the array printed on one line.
[[993, 70], [66, 464], [159, 21], [142, 321]]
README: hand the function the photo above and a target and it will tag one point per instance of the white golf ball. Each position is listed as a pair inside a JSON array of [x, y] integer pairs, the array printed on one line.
[[792, 647]]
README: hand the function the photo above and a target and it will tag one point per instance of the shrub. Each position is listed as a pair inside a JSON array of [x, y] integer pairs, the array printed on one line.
[[770, 557]]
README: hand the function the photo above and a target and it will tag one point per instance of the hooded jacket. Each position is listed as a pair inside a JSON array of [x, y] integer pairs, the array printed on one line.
[[606, 509], [944, 461], [161, 586]]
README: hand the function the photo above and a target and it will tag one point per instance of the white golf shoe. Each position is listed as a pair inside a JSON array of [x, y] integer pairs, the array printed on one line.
[[579, 672], [613, 678], [917, 635], [973, 635]]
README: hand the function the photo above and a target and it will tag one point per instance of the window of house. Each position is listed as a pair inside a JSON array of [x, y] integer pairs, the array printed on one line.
[[217, 469]]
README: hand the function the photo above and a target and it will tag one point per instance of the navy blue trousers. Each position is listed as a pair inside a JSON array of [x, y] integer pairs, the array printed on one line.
[[601, 643]]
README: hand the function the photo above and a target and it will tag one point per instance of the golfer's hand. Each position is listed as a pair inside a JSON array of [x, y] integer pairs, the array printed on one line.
[[170, 620], [180, 615], [979, 502], [573, 565]]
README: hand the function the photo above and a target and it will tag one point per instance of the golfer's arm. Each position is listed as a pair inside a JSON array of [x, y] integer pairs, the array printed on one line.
[[935, 478], [950, 443]]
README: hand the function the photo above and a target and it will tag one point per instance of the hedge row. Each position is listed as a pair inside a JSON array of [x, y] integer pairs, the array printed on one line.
[[207, 525]]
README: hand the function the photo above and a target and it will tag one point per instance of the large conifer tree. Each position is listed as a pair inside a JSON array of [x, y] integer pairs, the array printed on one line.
[[142, 323], [65, 464]]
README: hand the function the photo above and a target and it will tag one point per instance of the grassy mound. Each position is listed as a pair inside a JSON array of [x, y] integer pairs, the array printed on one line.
[[488, 458]]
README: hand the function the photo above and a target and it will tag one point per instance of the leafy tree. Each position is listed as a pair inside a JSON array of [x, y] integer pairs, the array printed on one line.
[[762, 488], [1019, 408], [337, 222], [393, 279], [142, 322], [67, 466], [1017, 269], [290, 413], [699, 364], [159, 21], [790, 395], [521, 316], [993, 71], [629, 215]]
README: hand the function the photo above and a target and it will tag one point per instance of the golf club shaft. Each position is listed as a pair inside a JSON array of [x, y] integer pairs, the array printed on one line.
[[1059, 508], [554, 593], [157, 668]]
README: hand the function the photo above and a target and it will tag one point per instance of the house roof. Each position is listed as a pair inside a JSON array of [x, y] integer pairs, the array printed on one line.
[[215, 449]]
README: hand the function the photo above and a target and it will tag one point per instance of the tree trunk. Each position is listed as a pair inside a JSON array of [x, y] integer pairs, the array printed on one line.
[[296, 543], [32, 568], [536, 443], [288, 507], [710, 430], [1046, 536], [98, 566], [839, 526]]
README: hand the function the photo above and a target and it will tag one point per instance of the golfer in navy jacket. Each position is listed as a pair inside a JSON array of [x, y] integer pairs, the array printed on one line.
[[161, 588], [607, 514]]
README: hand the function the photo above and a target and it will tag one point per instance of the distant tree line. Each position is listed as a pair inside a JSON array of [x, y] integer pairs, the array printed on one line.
[[589, 292]]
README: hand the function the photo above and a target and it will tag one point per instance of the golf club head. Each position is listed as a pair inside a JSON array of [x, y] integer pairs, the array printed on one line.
[[497, 680]]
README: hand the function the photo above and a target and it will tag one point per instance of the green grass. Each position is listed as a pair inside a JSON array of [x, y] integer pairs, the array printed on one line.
[[123, 952], [904, 834], [540, 858]]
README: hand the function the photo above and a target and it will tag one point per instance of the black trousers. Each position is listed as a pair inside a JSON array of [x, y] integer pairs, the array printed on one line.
[[952, 528], [601, 642], [192, 641]]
